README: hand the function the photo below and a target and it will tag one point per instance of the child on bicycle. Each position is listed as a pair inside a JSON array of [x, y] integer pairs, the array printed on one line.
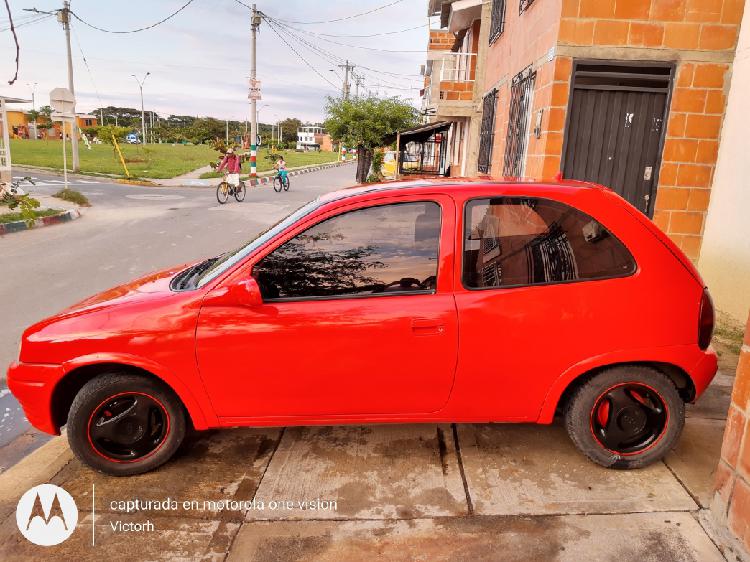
[[233, 165], [281, 167]]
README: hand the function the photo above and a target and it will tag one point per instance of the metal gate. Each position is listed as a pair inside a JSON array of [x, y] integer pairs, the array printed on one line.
[[616, 125], [522, 89]]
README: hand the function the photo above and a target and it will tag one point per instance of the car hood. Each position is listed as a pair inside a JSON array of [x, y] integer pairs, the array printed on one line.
[[157, 282]]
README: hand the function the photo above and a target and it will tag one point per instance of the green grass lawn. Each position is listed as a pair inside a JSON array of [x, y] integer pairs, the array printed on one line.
[[13, 217], [292, 157], [150, 161]]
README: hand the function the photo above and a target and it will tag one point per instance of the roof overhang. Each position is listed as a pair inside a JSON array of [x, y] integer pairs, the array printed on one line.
[[10, 99], [463, 13], [423, 132]]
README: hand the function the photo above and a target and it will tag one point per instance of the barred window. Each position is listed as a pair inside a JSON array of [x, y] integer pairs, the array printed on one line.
[[487, 131], [524, 5], [497, 23], [522, 89]]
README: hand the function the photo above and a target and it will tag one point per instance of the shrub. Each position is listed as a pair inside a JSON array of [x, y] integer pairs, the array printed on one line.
[[73, 196]]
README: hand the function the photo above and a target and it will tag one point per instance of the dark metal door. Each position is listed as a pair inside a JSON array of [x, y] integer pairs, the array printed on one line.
[[615, 130]]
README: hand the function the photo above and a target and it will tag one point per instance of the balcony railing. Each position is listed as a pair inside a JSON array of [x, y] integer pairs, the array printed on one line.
[[456, 67]]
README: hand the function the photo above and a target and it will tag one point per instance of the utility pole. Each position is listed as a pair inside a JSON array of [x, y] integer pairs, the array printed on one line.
[[143, 113], [358, 81], [345, 88], [64, 18], [254, 24]]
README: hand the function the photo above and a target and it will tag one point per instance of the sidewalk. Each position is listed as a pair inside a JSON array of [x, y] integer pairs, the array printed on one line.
[[432, 492]]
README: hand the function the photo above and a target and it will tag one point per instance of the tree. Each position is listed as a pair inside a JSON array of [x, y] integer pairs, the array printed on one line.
[[289, 128], [367, 123]]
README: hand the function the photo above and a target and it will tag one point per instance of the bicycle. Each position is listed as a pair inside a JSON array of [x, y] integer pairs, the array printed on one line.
[[281, 182], [225, 190]]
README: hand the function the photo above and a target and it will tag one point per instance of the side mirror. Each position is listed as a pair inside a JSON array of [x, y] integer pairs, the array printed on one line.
[[246, 293]]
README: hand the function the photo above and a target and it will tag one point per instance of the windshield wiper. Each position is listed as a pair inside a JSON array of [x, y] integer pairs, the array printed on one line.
[[188, 278]]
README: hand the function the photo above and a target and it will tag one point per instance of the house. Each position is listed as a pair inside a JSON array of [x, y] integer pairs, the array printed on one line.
[[453, 82], [20, 125], [309, 137], [631, 95]]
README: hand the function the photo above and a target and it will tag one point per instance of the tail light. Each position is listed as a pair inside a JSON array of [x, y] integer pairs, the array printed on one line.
[[705, 320]]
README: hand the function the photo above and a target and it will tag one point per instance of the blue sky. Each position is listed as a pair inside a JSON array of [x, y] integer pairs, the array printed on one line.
[[199, 60]]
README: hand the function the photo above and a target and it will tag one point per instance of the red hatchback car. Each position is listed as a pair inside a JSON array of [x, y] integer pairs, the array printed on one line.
[[407, 302]]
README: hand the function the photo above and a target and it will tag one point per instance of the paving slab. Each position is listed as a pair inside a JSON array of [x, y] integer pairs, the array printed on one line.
[[173, 539], [536, 470], [658, 537], [696, 455], [212, 466], [386, 471]]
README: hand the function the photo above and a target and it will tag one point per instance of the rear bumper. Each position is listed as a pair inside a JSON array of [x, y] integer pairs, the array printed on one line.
[[704, 371], [32, 384]]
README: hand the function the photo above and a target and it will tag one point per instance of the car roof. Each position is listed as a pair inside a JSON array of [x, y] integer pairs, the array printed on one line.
[[453, 185]]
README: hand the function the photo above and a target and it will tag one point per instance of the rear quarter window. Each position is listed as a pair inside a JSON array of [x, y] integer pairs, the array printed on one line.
[[513, 241]]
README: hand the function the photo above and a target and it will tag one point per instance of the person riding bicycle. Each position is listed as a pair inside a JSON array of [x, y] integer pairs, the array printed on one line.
[[232, 163], [281, 167]]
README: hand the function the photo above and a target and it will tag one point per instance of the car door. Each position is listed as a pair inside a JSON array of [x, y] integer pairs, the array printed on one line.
[[358, 318]]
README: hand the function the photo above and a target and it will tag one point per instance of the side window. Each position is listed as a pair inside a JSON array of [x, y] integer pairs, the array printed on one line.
[[377, 250], [511, 241]]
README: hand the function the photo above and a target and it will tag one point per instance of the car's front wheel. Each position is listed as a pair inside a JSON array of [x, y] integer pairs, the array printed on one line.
[[124, 424], [625, 417]]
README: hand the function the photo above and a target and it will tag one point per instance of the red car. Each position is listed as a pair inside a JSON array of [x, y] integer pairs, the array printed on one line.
[[446, 301]]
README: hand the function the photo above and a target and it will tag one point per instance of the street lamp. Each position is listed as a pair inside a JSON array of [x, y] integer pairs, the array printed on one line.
[[143, 113], [33, 104]]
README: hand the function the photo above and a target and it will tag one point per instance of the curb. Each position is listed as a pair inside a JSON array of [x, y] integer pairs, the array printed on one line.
[[17, 226], [269, 179]]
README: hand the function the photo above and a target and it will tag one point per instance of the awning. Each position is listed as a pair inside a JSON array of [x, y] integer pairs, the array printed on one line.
[[463, 13], [425, 130]]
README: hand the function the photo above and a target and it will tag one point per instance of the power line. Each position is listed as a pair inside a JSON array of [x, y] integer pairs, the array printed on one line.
[[31, 21], [420, 26], [345, 17], [169, 17], [91, 74], [282, 23], [303, 59]]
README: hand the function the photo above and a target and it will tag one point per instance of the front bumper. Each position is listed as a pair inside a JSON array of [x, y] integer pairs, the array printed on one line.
[[32, 384]]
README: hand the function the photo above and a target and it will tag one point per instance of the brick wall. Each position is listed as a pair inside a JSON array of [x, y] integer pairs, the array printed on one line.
[[527, 41], [690, 152], [699, 36], [731, 503], [440, 40]]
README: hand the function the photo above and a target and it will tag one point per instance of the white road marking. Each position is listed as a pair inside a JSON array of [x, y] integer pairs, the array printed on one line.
[[156, 196]]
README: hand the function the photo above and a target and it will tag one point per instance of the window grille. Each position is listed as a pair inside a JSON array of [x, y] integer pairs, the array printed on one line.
[[497, 22], [524, 5], [522, 89], [487, 131]]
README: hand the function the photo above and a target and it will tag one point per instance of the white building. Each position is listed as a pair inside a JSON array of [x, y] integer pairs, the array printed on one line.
[[306, 137]]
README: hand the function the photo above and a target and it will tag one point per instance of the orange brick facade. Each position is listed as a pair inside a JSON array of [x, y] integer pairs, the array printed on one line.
[[731, 503], [697, 36]]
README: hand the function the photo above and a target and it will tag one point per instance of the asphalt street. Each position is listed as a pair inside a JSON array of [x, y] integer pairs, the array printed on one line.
[[129, 231]]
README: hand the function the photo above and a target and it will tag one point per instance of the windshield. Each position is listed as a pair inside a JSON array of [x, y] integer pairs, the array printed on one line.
[[227, 260]]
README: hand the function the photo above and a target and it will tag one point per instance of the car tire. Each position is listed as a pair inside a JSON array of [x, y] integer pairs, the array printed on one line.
[[123, 424], [625, 417]]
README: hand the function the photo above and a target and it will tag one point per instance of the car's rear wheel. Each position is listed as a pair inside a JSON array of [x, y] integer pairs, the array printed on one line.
[[123, 424], [625, 417]]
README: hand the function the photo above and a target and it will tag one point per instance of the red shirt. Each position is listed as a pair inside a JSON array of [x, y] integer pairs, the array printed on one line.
[[232, 164]]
